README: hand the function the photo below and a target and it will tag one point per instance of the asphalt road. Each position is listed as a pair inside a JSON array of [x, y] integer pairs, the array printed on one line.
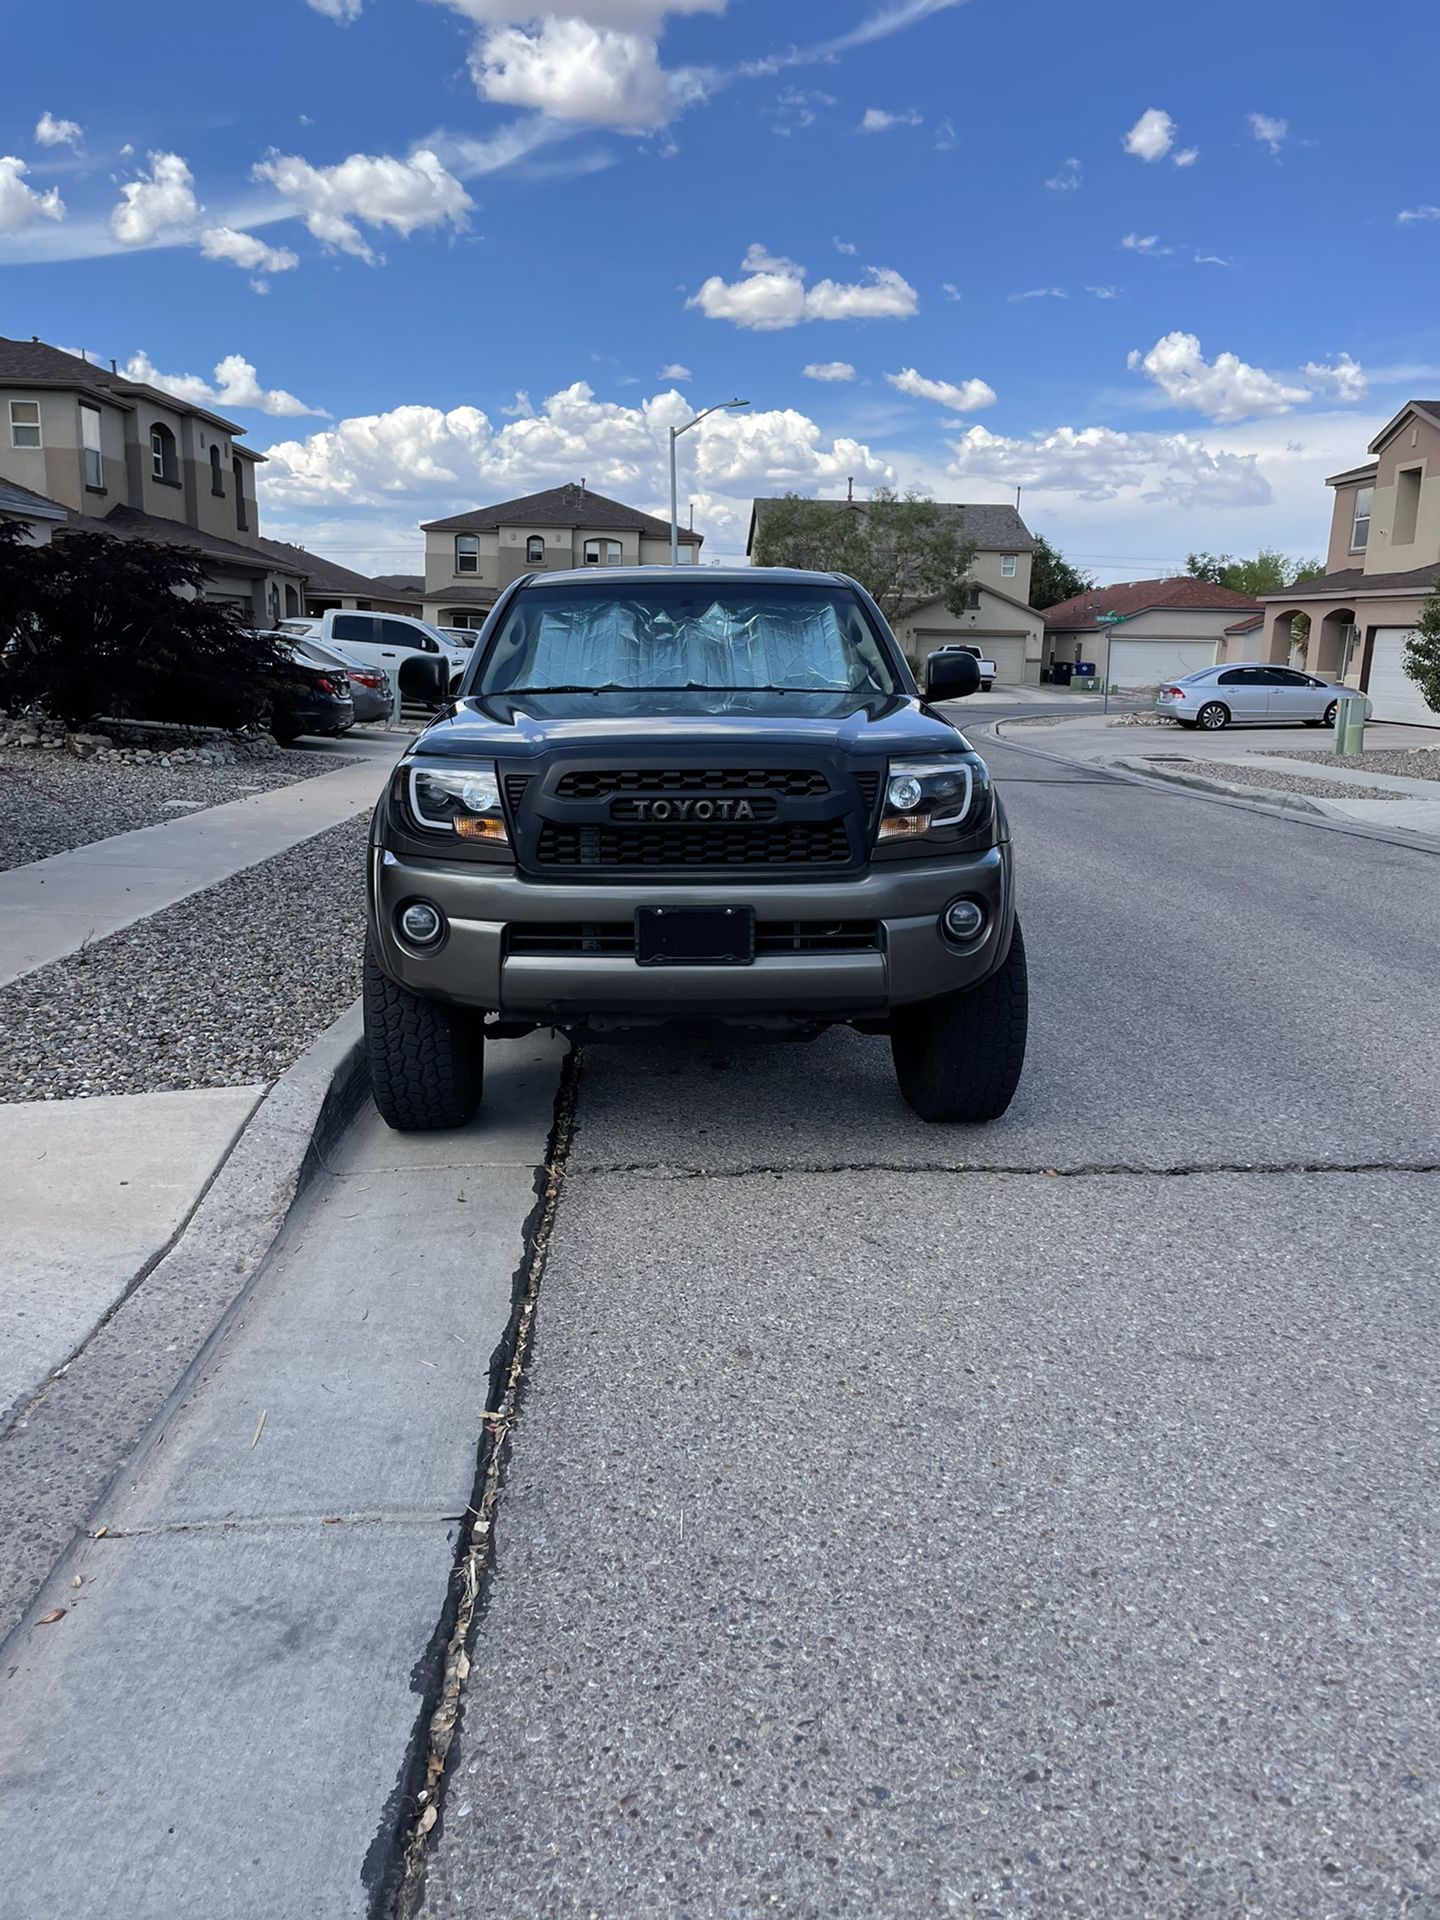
[[1040, 1520]]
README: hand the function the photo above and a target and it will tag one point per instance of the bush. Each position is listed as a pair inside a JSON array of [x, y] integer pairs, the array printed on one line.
[[95, 625], [1422, 651]]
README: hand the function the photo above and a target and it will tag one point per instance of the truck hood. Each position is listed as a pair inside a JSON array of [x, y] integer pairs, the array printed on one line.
[[532, 725]]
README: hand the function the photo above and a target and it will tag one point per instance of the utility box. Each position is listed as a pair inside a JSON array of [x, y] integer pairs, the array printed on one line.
[[1350, 723]]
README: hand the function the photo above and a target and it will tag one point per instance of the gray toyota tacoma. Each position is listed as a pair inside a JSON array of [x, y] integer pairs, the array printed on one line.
[[686, 800]]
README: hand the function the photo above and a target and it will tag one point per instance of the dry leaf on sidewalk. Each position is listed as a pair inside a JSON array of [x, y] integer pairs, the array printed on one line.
[[49, 1619]]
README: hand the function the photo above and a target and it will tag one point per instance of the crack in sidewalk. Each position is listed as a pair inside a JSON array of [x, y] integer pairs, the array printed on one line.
[[1099, 1170]]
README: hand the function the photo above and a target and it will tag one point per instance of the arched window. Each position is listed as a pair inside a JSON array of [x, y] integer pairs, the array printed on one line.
[[535, 550], [467, 553], [163, 463], [217, 472], [292, 601], [602, 553], [237, 474]]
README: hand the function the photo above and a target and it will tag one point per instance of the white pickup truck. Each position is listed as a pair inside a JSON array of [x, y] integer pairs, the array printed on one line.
[[988, 668], [385, 640]]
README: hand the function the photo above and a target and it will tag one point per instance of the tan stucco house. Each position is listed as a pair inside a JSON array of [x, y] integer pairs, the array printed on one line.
[[999, 619], [471, 556], [37, 515], [1139, 634], [1383, 559], [123, 459]]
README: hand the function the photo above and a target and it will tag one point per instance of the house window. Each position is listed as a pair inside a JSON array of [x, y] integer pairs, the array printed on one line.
[[162, 455], [466, 622], [292, 600], [237, 474], [91, 455], [1407, 507], [602, 553], [467, 553], [1360, 527], [25, 423], [535, 550], [217, 472], [1007, 566]]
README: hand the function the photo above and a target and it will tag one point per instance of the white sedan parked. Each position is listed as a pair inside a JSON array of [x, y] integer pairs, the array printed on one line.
[[1251, 696]]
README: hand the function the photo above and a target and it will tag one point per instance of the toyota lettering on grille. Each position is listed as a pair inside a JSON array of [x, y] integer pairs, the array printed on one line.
[[682, 808]]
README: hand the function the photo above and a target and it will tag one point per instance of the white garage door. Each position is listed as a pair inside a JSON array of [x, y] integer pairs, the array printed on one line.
[[1151, 663], [1008, 655], [1393, 694]]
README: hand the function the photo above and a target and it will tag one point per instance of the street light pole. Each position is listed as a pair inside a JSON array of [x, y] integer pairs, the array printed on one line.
[[721, 406]]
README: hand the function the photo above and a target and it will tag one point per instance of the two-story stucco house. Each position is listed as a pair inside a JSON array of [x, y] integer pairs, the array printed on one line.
[[126, 460], [999, 618], [471, 556], [1383, 559]]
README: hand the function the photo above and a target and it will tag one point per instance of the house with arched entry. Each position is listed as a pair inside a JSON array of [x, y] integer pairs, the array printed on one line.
[[1383, 561], [126, 460]]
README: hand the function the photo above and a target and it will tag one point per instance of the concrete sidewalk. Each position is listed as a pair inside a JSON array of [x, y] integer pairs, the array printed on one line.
[[55, 906]]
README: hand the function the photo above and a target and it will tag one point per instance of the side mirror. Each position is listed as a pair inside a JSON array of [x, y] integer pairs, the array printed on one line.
[[950, 676], [424, 681]]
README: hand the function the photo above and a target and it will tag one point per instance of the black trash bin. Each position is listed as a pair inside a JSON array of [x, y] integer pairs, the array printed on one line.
[[1061, 672]]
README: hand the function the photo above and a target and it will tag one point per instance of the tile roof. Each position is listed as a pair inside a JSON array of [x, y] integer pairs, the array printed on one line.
[[321, 575], [994, 529], [128, 523], [568, 506], [465, 596], [1178, 594], [19, 500], [1355, 580], [1247, 626], [32, 363]]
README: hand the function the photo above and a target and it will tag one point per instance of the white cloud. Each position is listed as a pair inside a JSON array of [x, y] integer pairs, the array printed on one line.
[[797, 108], [1345, 381], [1224, 388], [1104, 293], [1412, 214], [520, 407], [1040, 293], [675, 372], [51, 132], [1186, 157], [19, 204], [436, 462], [381, 191], [155, 202], [235, 385], [946, 138], [343, 11], [829, 370], [1068, 179], [630, 16], [1211, 260], [843, 246], [244, 250], [876, 120], [950, 290], [1269, 131], [1100, 464], [573, 70], [967, 397], [1152, 135], [773, 295], [1144, 243]]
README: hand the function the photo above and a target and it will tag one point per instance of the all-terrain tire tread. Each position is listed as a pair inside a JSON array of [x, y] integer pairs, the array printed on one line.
[[960, 1059], [426, 1058]]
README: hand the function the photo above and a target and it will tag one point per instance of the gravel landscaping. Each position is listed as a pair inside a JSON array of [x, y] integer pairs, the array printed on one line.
[[50, 802], [1239, 775], [1411, 763], [225, 989]]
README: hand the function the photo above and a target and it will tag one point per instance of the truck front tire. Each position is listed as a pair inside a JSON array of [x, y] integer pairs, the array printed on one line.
[[427, 1059], [960, 1058]]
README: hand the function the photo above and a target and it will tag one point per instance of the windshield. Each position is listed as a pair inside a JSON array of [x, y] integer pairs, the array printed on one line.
[[715, 636]]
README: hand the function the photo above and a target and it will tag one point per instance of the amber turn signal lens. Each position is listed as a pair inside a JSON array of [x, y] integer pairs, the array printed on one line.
[[898, 826], [488, 828]]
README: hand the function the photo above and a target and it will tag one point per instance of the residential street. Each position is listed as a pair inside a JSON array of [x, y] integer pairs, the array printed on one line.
[[898, 1521]]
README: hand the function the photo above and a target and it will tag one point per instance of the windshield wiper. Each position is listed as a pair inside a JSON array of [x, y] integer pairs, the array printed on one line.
[[609, 687]]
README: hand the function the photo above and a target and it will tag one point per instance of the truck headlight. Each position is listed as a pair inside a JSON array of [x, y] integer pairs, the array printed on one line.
[[922, 795], [463, 801]]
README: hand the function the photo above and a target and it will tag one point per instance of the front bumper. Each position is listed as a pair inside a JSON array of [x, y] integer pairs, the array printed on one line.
[[911, 960]]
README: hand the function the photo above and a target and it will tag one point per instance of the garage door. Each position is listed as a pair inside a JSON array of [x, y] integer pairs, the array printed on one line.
[[1136, 664], [1393, 694], [1008, 655]]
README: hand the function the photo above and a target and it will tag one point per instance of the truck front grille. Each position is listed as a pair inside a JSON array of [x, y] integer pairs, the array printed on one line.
[[598, 783], [790, 843], [582, 937]]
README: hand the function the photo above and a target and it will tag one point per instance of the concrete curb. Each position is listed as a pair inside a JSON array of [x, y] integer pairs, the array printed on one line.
[[68, 1444], [1275, 798]]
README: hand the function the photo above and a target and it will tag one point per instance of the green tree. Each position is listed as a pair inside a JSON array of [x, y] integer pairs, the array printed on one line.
[[1269, 572], [1422, 650], [92, 625], [903, 549], [1052, 578]]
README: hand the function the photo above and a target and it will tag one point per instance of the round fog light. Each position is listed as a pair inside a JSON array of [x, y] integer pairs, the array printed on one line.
[[421, 924], [964, 919]]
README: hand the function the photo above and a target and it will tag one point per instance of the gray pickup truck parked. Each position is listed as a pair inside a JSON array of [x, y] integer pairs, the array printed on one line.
[[681, 799]]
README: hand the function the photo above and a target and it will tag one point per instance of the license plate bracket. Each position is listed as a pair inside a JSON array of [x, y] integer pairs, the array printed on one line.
[[695, 936]]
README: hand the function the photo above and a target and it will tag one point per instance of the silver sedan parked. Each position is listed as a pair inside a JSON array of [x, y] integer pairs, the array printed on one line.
[[1251, 697]]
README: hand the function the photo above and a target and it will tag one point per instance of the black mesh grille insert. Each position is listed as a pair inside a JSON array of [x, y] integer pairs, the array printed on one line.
[[595, 784], [869, 785], [515, 785], [618, 936], [798, 843]]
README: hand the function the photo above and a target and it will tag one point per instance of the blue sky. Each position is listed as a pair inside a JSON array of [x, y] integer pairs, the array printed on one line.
[[1163, 268]]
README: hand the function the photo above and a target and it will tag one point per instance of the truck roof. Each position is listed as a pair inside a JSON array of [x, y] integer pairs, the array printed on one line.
[[716, 575]]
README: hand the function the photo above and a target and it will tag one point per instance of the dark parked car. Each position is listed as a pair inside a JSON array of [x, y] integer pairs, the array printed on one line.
[[369, 686], [680, 798], [312, 699]]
